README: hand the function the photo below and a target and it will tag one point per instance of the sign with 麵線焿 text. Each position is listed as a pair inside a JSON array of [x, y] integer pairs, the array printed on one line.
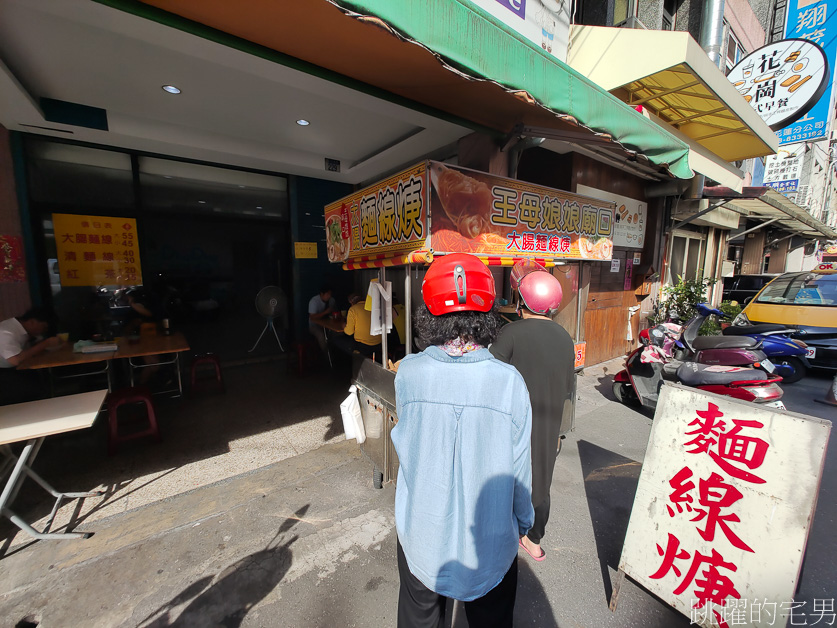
[[447, 209], [723, 507], [97, 250]]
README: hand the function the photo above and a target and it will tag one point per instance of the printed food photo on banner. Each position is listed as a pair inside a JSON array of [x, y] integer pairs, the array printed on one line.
[[475, 212]]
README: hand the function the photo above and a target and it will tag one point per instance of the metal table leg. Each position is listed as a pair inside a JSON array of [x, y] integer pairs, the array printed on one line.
[[21, 470]]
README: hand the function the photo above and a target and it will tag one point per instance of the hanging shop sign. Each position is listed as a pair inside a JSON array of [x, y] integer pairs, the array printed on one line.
[[718, 527], [783, 170], [447, 209], [783, 82], [97, 250], [629, 220]]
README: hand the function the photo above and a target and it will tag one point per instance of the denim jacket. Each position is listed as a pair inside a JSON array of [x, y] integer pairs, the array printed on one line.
[[464, 493]]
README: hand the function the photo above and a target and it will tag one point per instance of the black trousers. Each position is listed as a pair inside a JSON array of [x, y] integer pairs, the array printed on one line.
[[419, 607], [541, 517]]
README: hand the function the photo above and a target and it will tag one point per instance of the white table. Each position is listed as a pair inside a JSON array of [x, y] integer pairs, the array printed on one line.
[[33, 422]]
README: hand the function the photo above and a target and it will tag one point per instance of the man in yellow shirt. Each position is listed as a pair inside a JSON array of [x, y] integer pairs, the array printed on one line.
[[357, 336]]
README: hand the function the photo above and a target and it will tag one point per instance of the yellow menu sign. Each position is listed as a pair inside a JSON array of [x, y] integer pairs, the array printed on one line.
[[97, 250]]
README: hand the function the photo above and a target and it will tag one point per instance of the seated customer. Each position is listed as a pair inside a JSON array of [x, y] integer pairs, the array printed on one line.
[[22, 338], [321, 306], [357, 336]]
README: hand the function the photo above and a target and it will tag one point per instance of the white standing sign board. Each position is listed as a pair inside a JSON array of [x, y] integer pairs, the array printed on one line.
[[723, 507]]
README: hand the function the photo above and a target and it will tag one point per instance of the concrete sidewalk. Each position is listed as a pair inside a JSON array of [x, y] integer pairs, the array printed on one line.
[[308, 542]]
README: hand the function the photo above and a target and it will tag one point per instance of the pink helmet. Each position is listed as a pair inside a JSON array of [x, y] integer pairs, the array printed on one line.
[[539, 290]]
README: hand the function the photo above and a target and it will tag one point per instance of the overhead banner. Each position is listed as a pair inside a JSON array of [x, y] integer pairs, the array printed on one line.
[[719, 525], [97, 250], [784, 82], [447, 209]]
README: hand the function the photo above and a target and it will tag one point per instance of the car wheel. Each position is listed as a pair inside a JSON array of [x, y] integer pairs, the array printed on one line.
[[797, 366]]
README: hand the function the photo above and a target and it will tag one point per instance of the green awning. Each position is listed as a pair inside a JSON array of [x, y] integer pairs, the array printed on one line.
[[476, 44]]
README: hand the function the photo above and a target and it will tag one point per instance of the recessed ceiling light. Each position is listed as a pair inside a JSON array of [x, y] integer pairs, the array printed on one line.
[[171, 89], [258, 206], [303, 122], [202, 202]]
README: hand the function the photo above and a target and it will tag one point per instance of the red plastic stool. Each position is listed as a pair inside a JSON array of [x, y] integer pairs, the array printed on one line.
[[139, 394], [207, 358], [304, 352]]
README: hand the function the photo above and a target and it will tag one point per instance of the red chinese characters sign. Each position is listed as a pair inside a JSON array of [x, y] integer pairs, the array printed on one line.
[[97, 250], [718, 526], [448, 209]]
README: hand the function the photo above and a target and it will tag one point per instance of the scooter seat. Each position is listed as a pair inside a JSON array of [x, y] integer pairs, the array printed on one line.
[[694, 374], [724, 342], [749, 330]]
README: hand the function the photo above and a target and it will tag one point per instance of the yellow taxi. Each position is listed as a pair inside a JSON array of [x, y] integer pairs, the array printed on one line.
[[806, 301]]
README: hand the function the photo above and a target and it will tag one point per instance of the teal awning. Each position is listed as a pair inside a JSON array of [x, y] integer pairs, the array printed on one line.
[[475, 43]]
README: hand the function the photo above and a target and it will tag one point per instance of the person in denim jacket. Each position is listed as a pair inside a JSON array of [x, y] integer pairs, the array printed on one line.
[[463, 497]]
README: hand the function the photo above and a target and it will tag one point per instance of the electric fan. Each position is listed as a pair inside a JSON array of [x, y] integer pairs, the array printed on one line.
[[272, 304]]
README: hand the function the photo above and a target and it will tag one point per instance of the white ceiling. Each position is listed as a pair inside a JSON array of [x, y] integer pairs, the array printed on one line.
[[234, 108]]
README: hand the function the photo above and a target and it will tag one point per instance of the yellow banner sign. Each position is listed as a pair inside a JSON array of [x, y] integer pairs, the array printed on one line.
[[305, 250], [97, 250]]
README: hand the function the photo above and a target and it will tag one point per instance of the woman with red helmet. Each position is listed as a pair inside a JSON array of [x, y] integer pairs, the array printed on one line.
[[543, 352], [463, 497]]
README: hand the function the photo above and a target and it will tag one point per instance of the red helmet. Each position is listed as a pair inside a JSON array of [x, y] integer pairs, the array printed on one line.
[[458, 283], [539, 290]]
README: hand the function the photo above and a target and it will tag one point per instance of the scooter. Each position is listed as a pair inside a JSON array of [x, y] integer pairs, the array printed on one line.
[[641, 380], [786, 353], [720, 350]]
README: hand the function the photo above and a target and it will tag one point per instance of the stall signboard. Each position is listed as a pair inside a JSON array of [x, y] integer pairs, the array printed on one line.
[[629, 220], [783, 82], [476, 212], [719, 526], [97, 250], [389, 217], [447, 209]]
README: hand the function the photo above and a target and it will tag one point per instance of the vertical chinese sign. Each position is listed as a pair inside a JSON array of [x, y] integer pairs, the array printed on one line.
[[97, 250], [719, 525], [814, 21]]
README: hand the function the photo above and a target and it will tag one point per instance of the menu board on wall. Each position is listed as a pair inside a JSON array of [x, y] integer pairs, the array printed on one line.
[[629, 221], [97, 250]]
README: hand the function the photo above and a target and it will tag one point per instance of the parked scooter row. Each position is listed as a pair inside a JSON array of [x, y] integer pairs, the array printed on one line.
[[731, 365]]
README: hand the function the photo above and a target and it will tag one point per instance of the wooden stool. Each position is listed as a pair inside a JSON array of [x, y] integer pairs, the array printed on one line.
[[138, 394], [211, 359]]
